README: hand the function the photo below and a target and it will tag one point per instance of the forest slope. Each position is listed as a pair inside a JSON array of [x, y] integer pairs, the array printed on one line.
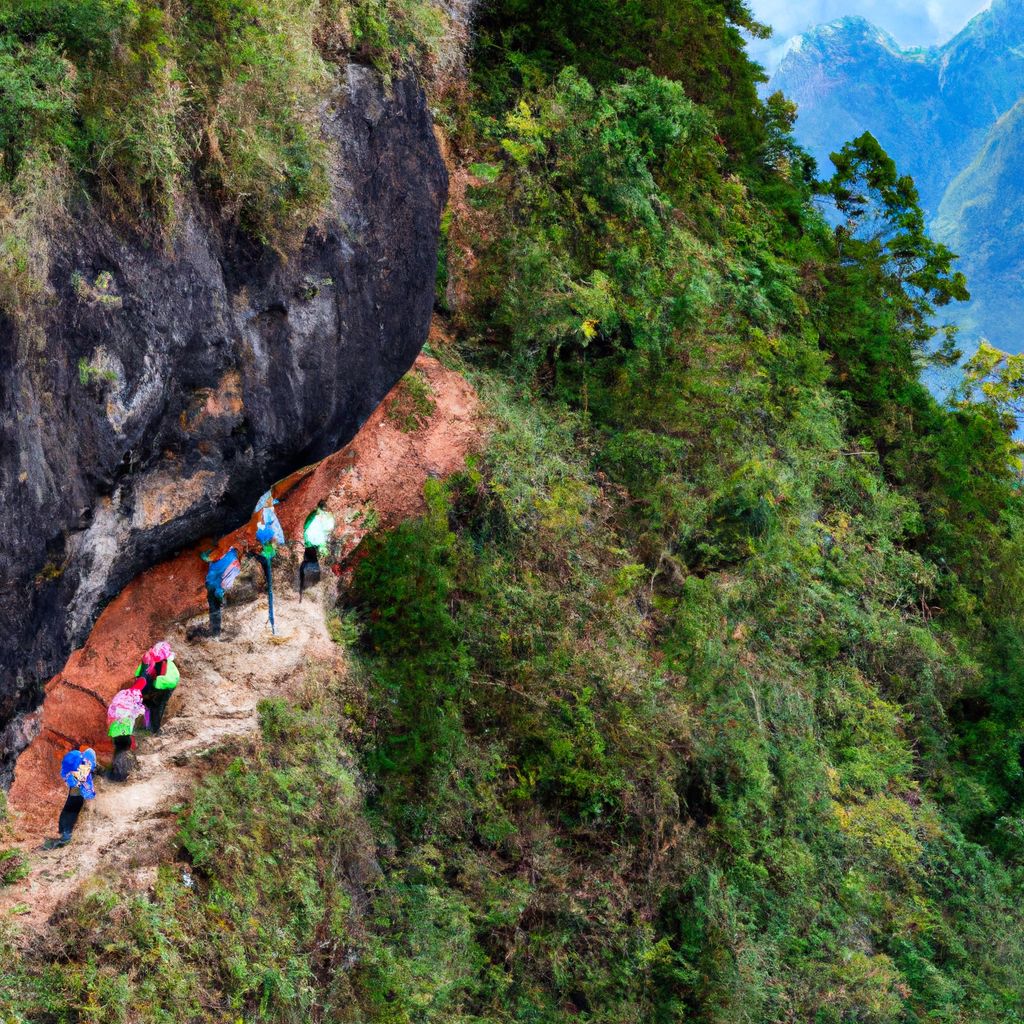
[[695, 697]]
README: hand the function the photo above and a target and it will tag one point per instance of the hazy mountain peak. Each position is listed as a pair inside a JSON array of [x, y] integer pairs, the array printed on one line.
[[949, 116], [843, 35], [854, 29]]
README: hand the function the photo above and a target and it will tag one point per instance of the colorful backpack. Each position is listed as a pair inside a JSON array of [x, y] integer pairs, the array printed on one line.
[[170, 678], [318, 529], [268, 527], [158, 654], [223, 573], [123, 710], [71, 771]]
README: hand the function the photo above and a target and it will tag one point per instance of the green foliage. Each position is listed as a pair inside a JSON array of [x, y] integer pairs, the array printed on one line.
[[598, 262], [14, 864], [90, 375], [697, 43], [35, 85], [884, 235], [727, 591], [998, 377], [402, 589], [698, 695], [344, 628], [412, 404], [133, 95], [31, 209], [261, 77]]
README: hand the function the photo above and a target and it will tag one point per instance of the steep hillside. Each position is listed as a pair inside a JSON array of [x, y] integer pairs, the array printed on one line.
[[697, 694]]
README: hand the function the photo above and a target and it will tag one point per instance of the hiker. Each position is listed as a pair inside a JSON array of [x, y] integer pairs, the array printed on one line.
[[224, 569], [269, 533], [219, 578], [124, 709], [76, 770], [157, 677], [315, 535]]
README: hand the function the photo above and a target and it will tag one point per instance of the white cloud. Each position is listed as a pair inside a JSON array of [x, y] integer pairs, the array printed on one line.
[[910, 22]]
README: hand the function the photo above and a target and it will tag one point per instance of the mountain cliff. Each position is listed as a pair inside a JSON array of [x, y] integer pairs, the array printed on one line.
[[929, 108], [848, 77], [163, 384], [981, 216]]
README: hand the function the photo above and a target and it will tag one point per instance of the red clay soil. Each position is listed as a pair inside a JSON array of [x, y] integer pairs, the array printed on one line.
[[383, 468]]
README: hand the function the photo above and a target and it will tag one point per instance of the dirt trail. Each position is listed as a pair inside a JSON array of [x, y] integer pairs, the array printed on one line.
[[378, 477], [126, 828]]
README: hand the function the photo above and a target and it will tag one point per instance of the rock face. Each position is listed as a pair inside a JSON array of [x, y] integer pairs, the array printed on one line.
[[168, 389]]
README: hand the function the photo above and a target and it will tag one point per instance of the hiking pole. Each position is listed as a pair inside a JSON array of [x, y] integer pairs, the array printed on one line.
[[268, 575], [270, 597]]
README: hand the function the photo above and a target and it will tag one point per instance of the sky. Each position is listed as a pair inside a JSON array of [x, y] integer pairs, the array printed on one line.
[[910, 22]]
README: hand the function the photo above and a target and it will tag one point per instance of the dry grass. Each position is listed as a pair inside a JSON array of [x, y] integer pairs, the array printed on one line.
[[32, 209]]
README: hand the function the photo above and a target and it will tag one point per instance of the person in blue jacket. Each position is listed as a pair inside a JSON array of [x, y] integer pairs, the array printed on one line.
[[76, 769], [220, 577]]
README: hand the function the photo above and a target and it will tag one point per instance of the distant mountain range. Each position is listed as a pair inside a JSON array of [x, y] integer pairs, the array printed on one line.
[[952, 117]]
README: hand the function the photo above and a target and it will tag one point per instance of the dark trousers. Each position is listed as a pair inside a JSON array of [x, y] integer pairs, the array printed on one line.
[[156, 701], [309, 570], [121, 766], [216, 603], [69, 814]]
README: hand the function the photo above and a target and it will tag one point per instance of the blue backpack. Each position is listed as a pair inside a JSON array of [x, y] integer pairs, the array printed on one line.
[[223, 573]]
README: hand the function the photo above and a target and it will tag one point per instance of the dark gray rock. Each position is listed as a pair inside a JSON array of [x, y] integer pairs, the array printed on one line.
[[159, 403]]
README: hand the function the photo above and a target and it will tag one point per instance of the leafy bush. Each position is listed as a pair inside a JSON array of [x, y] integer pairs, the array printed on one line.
[[402, 588]]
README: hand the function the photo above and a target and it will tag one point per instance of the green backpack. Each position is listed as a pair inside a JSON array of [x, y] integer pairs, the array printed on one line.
[[170, 679], [121, 727]]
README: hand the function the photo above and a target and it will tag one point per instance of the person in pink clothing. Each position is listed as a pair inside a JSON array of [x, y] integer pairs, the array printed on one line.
[[157, 676], [122, 713]]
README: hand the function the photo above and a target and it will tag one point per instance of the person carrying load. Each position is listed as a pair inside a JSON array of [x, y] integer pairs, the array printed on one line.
[[157, 677], [122, 713], [315, 535], [269, 533], [220, 577], [76, 769]]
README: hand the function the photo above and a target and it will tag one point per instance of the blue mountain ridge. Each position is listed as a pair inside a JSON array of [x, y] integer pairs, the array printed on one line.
[[949, 116]]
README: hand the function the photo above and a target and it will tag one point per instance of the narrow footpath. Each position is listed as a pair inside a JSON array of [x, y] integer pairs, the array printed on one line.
[[128, 829]]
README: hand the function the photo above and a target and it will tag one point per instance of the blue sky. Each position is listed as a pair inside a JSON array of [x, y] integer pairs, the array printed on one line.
[[910, 22]]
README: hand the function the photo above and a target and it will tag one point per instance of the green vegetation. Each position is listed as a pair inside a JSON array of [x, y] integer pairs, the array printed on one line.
[[697, 697], [13, 863], [101, 292], [91, 375], [129, 100], [412, 404]]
